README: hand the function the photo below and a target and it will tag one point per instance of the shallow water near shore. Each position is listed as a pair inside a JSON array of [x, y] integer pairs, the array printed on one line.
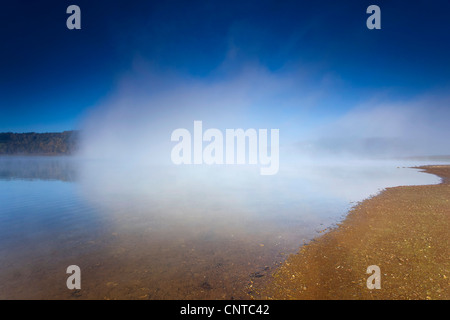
[[168, 232]]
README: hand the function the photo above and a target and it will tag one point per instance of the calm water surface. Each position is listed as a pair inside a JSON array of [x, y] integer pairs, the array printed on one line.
[[149, 232]]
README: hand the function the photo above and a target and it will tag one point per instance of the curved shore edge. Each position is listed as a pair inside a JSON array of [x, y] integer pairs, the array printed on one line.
[[403, 230]]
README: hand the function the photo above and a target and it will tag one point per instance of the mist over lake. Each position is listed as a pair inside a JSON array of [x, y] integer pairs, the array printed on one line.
[[160, 231]]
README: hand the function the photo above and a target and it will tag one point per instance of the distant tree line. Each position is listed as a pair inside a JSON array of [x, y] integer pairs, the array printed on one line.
[[55, 143]]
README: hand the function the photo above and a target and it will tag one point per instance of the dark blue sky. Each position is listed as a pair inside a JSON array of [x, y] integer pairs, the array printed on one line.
[[50, 76]]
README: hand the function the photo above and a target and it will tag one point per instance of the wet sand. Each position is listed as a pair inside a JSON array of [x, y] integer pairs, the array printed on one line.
[[403, 230]]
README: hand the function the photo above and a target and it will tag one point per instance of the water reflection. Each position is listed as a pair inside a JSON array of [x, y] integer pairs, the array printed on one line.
[[38, 168]]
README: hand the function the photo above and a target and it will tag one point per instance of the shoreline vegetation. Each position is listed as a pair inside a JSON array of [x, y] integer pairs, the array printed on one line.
[[32, 143], [403, 230]]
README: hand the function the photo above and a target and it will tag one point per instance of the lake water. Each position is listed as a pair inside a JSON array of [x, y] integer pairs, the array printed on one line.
[[168, 232]]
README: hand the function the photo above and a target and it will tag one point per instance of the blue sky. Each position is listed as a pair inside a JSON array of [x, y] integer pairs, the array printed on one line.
[[52, 77]]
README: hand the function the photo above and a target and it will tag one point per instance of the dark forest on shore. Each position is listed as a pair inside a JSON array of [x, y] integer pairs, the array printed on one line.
[[32, 143]]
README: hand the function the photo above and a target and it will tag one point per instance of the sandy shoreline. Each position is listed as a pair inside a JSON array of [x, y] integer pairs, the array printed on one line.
[[403, 230]]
